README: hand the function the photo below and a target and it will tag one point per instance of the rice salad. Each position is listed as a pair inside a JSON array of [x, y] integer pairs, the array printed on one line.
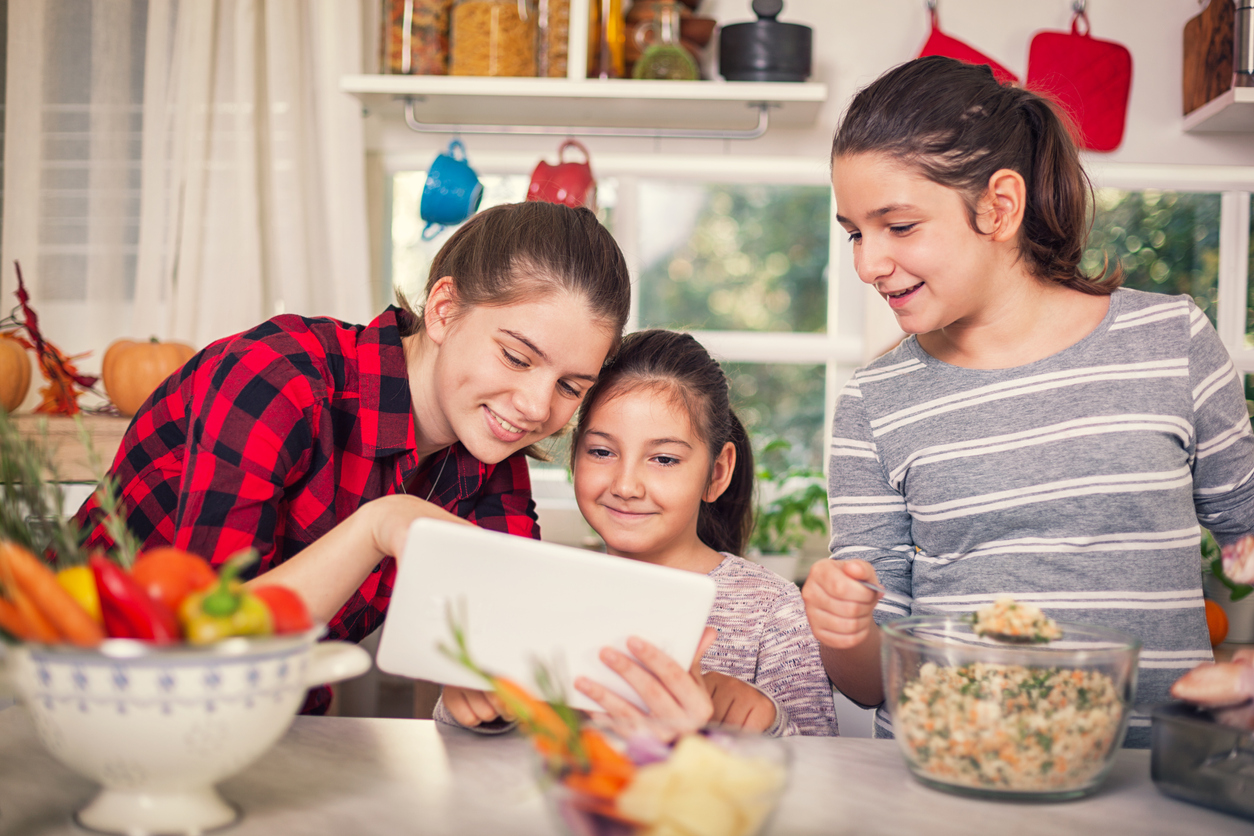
[[1009, 727]]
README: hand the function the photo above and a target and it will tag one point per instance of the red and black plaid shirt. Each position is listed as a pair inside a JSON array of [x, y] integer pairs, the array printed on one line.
[[270, 438]]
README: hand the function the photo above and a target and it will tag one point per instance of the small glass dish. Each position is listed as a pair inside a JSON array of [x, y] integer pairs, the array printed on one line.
[[979, 717], [725, 782]]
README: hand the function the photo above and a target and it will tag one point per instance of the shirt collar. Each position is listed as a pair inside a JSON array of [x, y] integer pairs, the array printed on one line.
[[385, 384]]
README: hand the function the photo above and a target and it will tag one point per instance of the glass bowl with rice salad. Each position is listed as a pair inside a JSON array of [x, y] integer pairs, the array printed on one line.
[[978, 716]]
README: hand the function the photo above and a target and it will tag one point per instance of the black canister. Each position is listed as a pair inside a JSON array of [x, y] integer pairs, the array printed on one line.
[[764, 49]]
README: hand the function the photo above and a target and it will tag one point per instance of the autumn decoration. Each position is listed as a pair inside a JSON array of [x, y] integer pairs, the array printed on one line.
[[132, 370], [59, 396]]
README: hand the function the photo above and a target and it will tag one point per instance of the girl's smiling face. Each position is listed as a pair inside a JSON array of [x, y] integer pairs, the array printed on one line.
[[913, 242], [641, 473], [508, 376]]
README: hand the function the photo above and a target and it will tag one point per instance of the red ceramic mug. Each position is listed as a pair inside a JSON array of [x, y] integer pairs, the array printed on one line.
[[570, 183]]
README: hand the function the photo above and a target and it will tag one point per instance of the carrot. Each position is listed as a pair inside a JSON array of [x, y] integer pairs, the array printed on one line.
[[537, 717], [596, 784], [31, 577], [605, 759], [38, 628], [12, 622]]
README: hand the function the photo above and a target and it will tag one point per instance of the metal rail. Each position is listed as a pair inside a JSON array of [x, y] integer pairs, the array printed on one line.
[[763, 108]]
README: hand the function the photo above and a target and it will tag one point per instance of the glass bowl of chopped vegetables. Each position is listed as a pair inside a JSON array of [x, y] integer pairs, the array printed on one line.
[[992, 716]]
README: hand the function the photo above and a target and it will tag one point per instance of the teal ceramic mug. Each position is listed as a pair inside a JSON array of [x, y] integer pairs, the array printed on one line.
[[452, 191]]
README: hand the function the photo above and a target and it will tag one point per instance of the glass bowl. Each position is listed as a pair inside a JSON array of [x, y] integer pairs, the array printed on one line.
[[717, 782], [981, 717]]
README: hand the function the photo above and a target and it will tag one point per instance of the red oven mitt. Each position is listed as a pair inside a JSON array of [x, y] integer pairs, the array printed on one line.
[[1089, 78], [938, 43]]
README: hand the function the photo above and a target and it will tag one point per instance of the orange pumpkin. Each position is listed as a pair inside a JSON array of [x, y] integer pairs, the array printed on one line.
[[14, 373], [132, 370]]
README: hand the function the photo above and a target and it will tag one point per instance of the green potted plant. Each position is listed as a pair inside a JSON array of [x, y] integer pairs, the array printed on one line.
[[791, 504]]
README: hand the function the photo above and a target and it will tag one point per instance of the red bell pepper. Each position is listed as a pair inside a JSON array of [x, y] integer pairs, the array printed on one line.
[[127, 610]]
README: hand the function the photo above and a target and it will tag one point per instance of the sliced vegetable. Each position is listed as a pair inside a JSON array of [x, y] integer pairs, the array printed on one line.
[[170, 575], [287, 608], [32, 578], [227, 609], [81, 584], [127, 610]]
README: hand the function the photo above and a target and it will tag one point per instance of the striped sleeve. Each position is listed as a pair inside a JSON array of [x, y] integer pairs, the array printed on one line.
[[869, 517], [1223, 478]]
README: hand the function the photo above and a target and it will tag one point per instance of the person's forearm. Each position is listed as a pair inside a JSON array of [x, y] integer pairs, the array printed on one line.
[[331, 568], [856, 670]]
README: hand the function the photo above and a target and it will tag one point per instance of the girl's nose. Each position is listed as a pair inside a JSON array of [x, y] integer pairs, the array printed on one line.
[[871, 261], [627, 484], [533, 402]]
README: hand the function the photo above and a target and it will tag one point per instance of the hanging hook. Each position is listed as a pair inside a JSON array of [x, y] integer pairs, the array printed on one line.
[[931, 5], [1077, 7]]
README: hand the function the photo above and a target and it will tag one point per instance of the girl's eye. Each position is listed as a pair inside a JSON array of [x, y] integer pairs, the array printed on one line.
[[598, 452], [567, 389], [902, 228], [666, 461], [855, 237], [516, 362]]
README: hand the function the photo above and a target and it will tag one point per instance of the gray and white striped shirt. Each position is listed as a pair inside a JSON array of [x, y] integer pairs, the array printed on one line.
[[1075, 483]]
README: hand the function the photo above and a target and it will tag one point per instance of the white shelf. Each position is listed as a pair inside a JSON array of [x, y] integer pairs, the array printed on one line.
[[611, 103], [1232, 111]]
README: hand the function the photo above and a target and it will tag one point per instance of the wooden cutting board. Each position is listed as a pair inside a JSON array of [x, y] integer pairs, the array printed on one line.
[[1208, 43]]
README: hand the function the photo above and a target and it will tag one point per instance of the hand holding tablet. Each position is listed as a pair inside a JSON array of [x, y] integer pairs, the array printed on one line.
[[528, 601]]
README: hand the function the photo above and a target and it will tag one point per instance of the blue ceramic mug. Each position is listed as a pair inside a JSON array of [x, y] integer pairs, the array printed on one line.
[[452, 191]]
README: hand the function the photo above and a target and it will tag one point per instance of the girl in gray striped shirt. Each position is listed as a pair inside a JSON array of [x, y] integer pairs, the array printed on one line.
[[1038, 433]]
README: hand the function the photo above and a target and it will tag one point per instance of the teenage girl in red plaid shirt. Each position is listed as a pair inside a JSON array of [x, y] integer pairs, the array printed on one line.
[[318, 442]]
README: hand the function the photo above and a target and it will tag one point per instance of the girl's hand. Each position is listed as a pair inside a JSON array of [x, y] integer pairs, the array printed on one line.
[[472, 708], [677, 699], [738, 704], [837, 606]]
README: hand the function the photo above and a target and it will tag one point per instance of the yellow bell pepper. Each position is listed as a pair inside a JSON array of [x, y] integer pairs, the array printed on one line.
[[225, 610], [81, 584]]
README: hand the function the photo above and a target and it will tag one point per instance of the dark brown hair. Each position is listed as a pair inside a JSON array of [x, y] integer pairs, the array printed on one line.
[[955, 124], [517, 251], [678, 365]]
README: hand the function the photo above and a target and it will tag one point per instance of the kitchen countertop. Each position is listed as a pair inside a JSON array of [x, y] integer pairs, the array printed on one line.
[[388, 776]]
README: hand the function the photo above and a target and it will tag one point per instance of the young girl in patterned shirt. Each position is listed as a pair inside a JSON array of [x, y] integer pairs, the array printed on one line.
[[663, 472]]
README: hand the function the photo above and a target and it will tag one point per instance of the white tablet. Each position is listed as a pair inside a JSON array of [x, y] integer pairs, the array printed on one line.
[[527, 600]]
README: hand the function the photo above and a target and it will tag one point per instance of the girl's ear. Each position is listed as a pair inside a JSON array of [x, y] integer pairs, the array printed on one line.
[[721, 473], [1004, 203], [440, 309]]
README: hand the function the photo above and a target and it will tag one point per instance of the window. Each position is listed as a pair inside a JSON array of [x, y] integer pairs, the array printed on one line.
[[1166, 242]]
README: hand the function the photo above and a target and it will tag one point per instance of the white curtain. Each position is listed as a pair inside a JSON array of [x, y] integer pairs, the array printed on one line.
[[183, 169]]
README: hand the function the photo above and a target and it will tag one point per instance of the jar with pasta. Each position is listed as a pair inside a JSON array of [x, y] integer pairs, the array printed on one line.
[[553, 46], [415, 36], [494, 37]]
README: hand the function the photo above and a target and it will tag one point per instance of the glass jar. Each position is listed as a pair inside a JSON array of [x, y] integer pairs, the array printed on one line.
[[415, 36], [494, 38], [662, 54], [553, 48]]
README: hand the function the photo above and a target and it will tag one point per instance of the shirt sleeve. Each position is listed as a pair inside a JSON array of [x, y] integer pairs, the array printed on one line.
[[1223, 456], [250, 436], [790, 670], [869, 517]]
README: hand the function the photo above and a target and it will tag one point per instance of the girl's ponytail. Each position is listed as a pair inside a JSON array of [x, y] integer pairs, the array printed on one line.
[[1056, 220], [726, 523]]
